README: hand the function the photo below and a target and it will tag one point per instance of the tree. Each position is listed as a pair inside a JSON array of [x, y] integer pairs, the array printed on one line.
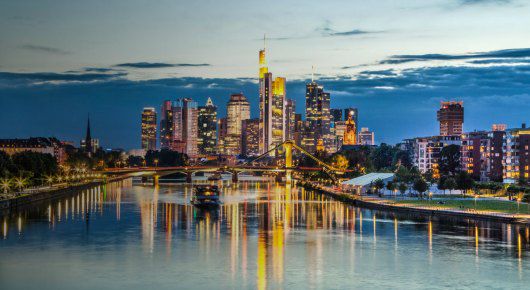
[[34, 164], [379, 184], [450, 160], [402, 158], [429, 176], [383, 156], [420, 186], [402, 187], [165, 157], [464, 181], [450, 184], [403, 174], [135, 160], [390, 186], [339, 161], [7, 168]]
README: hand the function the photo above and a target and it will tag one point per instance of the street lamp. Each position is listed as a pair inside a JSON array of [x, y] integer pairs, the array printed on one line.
[[156, 162], [20, 182], [5, 184]]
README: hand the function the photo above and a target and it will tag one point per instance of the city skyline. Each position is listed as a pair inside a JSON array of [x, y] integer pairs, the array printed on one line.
[[412, 75]]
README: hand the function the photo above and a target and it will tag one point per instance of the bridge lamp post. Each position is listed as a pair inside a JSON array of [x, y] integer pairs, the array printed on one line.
[[156, 162]]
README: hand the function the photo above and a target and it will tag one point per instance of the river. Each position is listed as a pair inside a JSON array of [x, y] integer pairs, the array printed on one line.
[[266, 235]]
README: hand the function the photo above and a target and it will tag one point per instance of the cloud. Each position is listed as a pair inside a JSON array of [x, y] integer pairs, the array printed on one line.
[[324, 30], [148, 65], [496, 54], [45, 49], [483, 2], [11, 78]]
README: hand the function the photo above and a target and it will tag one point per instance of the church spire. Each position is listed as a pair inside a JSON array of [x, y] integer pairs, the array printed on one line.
[[88, 137]]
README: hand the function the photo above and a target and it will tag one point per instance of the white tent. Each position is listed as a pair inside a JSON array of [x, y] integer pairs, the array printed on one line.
[[360, 184]]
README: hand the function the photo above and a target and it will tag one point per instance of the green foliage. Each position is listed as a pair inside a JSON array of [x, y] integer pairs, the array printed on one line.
[[339, 161], [166, 158], [450, 160], [382, 157], [464, 181], [391, 186], [402, 187], [135, 161], [420, 186], [450, 183], [379, 184], [33, 164]]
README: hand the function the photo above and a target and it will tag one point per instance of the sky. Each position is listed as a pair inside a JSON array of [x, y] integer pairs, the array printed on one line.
[[61, 61]]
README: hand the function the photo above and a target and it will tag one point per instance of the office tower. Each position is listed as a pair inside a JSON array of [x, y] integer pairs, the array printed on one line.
[[318, 118], [166, 125], [298, 129], [272, 107], [495, 152], [207, 136], [221, 136], [350, 132], [336, 115], [237, 110], [451, 118], [185, 131], [250, 137], [149, 129], [366, 137], [340, 130], [290, 121]]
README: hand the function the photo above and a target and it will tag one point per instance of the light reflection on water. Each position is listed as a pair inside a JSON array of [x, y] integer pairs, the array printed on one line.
[[265, 236]]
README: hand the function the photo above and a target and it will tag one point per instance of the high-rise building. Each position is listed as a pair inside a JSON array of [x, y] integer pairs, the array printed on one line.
[[221, 135], [366, 137], [237, 110], [166, 125], [317, 104], [149, 129], [290, 121], [496, 152], [474, 154], [451, 118], [272, 107], [426, 156], [207, 136], [185, 127], [516, 154], [250, 137], [298, 129], [336, 115]]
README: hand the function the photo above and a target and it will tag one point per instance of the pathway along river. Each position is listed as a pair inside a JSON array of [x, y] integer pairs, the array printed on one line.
[[266, 235]]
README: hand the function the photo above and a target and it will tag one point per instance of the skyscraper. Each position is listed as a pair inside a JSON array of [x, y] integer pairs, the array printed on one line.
[[221, 136], [272, 107], [290, 121], [250, 137], [366, 137], [336, 115], [237, 110], [166, 125], [185, 123], [207, 136], [318, 117], [149, 129], [451, 118]]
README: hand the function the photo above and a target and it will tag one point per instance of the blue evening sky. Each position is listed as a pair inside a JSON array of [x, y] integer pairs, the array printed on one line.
[[394, 60]]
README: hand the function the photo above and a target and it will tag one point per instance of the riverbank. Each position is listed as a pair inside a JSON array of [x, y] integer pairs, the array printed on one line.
[[419, 206], [53, 192]]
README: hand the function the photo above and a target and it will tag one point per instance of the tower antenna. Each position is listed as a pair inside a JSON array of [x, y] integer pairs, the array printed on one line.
[[264, 41]]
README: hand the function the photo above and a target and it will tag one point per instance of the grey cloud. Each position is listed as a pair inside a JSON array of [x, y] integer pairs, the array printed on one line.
[[148, 65], [505, 53], [482, 2], [45, 49]]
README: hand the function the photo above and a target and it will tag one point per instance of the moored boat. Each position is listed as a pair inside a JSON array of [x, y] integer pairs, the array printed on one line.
[[206, 196]]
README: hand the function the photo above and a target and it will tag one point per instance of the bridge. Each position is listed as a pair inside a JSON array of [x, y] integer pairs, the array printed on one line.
[[250, 166]]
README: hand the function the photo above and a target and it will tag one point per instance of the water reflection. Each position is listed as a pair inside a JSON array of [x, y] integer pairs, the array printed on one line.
[[263, 229]]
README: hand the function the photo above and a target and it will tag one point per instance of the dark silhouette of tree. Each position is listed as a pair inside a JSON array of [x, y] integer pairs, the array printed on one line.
[[464, 181], [450, 160], [450, 183], [402, 187], [420, 186]]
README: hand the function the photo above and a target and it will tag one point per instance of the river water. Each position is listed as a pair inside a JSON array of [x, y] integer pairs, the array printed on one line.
[[265, 236]]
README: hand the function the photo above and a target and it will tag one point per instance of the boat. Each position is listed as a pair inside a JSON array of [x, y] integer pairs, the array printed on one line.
[[206, 196], [215, 176]]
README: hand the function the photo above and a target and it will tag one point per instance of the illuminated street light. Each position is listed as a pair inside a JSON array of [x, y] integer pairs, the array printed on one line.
[[20, 182], [5, 183]]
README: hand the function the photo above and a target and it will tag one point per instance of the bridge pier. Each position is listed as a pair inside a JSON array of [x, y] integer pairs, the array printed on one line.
[[279, 177], [189, 176], [235, 178], [155, 180]]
